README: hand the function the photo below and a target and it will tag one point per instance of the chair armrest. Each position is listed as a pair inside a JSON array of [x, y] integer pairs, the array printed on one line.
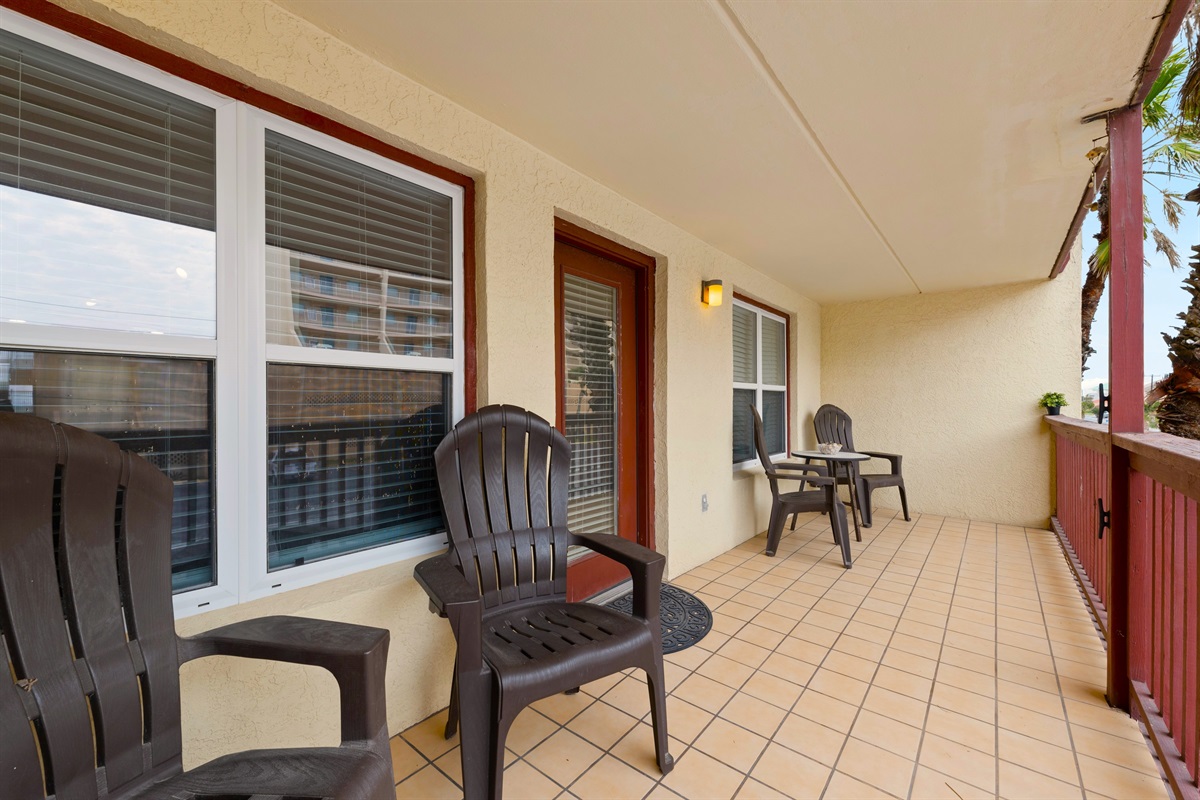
[[816, 468], [645, 567], [892, 457], [355, 654], [453, 597]]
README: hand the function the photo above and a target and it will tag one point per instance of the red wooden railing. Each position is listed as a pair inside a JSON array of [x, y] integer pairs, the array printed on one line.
[[1163, 596]]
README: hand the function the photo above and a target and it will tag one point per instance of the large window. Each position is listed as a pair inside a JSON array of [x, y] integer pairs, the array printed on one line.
[[273, 317], [760, 359]]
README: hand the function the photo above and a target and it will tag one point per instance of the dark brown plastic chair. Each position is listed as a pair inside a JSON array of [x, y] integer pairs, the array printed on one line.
[[92, 708], [833, 425], [785, 504], [503, 475]]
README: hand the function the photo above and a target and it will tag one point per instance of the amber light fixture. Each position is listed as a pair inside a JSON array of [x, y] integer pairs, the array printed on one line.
[[711, 293]]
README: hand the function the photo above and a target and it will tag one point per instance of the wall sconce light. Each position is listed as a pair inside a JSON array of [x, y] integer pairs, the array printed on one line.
[[711, 293]]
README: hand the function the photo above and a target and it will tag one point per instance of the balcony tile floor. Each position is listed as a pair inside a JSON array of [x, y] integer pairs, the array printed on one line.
[[955, 660]]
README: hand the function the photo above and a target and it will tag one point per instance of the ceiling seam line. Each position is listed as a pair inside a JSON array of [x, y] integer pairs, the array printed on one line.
[[752, 51]]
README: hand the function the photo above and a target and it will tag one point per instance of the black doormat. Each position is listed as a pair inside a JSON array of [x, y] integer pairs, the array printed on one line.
[[685, 618]]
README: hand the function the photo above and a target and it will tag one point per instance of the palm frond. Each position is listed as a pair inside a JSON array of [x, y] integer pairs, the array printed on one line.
[[1171, 209], [1165, 246], [1155, 111]]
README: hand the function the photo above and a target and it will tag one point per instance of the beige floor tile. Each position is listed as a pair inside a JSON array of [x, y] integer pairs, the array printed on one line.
[[843, 787], [788, 668], [630, 696], [744, 653], [1102, 718], [803, 650], [731, 744], [973, 705], [753, 714], [983, 663], [907, 662], [428, 784], [661, 792], [725, 670], [684, 720], [956, 727], [930, 784], [523, 781], [776, 621], [405, 759], [451, 765], [610, 778], [637, 749], [811, 739], [828, 711], [530, 729], [1034, 754], [1113, 750], [564, 757], [875, 766], [704, 693], [791, 773], [850, 665], [959, 761], [887, 733], [905, 683], [1026, 697], [753, 790], [1018, 783], [428, 736], [1030, 723], [817, 634], [697, 775], [898, 706], [603, 725], [774, 690], [562, 707], [1100, 776], [763, 637], [835, 684]]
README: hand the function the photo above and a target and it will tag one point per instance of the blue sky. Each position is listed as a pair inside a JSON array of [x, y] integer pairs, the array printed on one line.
[[1165, 297]]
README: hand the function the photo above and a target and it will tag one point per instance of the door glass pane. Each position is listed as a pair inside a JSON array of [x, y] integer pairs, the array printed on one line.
[[774, 352], [774, 414], [743, 425], [350, 459], [107, 198], [160, 408], [589, 361], [357, 259], [745, 346]]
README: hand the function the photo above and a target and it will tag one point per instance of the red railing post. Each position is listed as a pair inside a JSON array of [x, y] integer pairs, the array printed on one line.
[[1125, 374]]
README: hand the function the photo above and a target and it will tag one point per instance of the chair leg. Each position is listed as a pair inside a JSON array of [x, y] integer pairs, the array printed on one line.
[[452, 712], [572, 691], [775, 528], [499, 735], [904, 503], [477, 750], [656, 685], [841, 531], [794, 520], [864, 503]]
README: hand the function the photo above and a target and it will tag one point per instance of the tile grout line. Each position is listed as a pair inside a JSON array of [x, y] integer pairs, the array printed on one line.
[[941, 648]]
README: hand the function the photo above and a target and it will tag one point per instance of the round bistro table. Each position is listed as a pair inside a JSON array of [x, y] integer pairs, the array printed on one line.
[[832, 460]]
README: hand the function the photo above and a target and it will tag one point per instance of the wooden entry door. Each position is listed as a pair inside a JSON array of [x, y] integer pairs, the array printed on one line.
[[603, 399]]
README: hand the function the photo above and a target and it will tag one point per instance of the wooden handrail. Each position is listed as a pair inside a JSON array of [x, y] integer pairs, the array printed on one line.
[[1171, 460], [1088, 434]]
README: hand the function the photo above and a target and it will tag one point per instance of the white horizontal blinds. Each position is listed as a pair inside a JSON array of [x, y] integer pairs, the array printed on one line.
[[357, 259], [107, 198], [158, 407], [350, 459], [774, 353], [74, 130], [745, 345], [589, 361]]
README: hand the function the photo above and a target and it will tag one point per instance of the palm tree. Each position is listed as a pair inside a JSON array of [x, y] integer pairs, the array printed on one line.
[[1170, 149]]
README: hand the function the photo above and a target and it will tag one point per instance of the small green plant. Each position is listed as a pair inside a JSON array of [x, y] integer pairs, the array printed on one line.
[[1053, 400]]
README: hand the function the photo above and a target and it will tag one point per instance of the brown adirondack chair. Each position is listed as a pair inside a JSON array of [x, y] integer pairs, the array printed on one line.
[[784, 504], [503, 475], [92, 710], [834, 425]]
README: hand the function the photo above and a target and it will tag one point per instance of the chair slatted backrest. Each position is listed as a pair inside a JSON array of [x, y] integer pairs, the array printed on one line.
[[764, 456], [833, 425], [503, 475], [86, 615]]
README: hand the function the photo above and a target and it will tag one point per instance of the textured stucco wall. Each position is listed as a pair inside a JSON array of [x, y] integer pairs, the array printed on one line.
[[951, 382], [231, 705]]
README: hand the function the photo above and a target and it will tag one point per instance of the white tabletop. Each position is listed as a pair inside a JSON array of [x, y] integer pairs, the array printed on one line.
[[839, 456]]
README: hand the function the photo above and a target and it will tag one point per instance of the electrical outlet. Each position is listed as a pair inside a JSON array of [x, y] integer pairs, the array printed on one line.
[[703, 503]]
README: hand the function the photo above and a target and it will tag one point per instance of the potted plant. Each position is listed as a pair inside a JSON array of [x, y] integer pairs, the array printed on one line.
[[1052, 402]]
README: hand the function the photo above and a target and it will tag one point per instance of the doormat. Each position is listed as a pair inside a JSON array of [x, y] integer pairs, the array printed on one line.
[[685, 618]]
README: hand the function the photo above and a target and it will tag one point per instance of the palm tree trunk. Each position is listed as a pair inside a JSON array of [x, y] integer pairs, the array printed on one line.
[[1097, 276], [1179, 412]]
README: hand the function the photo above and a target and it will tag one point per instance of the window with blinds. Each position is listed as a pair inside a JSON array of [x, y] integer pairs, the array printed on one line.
[[589, 350], [107, 198], [357, 259], [760, 359], [160, 408]]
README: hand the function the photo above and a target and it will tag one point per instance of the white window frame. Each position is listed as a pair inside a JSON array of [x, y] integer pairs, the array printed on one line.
[[758, 386], [239, 352]]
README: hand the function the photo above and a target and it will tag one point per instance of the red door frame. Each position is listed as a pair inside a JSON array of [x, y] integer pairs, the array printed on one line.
[[598, 578]]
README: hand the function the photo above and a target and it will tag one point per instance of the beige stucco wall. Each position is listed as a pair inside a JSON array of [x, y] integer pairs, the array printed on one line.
[[951, 382], [230, 704]]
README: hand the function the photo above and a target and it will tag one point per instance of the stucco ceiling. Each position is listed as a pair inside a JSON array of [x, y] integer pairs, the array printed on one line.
[[851, 150]]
